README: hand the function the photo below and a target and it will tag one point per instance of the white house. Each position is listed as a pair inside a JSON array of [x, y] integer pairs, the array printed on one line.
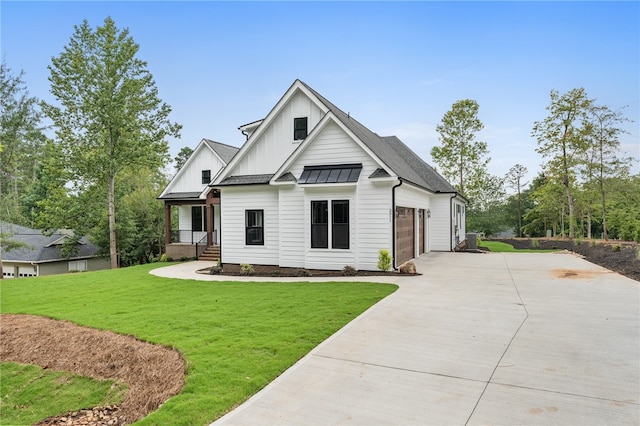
[[197, 204], [313, 188]]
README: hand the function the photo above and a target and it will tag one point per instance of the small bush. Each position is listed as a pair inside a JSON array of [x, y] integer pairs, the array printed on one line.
[[384, 260], [616, 247], [304, 273], [169, 259], [164, 257], [184, 258], [534, 243], [246, 269], [277, 273], [349, 271], [593, 243], [215, 270]]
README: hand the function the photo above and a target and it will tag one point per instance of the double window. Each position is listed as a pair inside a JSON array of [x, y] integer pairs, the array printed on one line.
[[299, 128], [336, 219], [254, 227]]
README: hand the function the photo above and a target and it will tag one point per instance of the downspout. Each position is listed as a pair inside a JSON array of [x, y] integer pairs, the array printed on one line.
[[451, 216], [393, 222]]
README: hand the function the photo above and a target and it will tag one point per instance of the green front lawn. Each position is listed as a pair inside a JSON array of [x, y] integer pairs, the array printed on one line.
[[500, 247], [236, 337], [30, 393]]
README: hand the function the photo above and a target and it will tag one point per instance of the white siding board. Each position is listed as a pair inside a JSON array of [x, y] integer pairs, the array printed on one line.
[[233, 203], [440, 224], [275, 144], [292, 227]]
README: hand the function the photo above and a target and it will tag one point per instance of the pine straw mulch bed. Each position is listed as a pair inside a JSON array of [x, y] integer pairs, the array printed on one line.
[[153, 373]]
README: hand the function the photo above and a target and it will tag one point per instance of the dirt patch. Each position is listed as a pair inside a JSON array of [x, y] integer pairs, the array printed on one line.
[[576, 274], [617, 256], [153, 373]]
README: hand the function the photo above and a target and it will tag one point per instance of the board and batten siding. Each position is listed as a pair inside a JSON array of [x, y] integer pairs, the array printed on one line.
[[190, 178], [275, 144], [233, 204], [369, 205]]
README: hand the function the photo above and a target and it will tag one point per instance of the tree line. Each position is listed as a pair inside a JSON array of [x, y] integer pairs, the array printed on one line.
[[100, 174], [585, 188]]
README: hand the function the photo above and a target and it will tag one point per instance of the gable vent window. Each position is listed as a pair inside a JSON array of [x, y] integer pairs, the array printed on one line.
[[299, 128], [344, 173], [206, 176]]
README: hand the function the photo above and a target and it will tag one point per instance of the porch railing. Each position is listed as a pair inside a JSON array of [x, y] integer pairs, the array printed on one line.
[[188, 236], [201, 245]]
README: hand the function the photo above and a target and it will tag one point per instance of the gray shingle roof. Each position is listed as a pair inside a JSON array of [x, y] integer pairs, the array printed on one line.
[[226, 152], [180, 195], [392, 151], [40, 248], [246, 180]]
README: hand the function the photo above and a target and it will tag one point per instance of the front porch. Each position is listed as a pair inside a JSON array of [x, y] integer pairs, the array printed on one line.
[[192, 232]]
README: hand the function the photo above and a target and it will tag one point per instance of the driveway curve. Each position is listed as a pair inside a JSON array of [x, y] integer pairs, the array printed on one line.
[[478, 339]]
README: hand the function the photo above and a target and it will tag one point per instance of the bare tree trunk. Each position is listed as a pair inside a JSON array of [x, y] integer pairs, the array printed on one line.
[[113, 250]]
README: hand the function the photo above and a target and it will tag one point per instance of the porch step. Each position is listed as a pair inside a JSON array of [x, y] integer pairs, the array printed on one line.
[[211, 253]]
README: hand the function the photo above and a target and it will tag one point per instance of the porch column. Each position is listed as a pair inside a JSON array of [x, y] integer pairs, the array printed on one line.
[[167, 223], [209, 224]]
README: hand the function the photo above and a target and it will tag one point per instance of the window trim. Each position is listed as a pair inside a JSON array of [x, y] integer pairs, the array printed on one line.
[[298, 130], [331, 227], [206, 180], [248, 228]]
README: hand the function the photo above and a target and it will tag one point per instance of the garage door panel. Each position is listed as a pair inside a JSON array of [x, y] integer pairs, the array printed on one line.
[[405, 234]]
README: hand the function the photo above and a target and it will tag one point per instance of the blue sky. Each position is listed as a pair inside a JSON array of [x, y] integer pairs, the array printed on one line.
[[397, 67]]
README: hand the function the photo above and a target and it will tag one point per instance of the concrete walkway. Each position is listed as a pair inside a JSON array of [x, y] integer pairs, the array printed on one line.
[[477, 339]]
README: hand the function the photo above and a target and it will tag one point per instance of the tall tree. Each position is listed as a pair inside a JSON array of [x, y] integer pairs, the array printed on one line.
[[562, 137], [461, 158], [21, 137], [513, 180], [605, 147], [109, 117]]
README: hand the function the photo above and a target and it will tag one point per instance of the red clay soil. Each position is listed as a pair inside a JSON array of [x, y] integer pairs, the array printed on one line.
[[618, 256], [153, 373]]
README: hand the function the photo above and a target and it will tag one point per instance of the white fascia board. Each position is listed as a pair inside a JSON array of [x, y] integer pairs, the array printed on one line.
[[264, 124], [251, 125], [185, 166]]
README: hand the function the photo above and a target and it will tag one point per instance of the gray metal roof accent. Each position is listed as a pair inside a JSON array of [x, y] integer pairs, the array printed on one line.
[[180, 195], [338, 173], [379, 173], [395, 154], [40, 248], [226, 152], [287, 177], [246, 180]]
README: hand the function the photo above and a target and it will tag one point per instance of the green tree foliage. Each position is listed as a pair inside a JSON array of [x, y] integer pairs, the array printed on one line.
[[514, 180], [109, 119], [461, 158], [182, 157], [562, 138], [21, 138]]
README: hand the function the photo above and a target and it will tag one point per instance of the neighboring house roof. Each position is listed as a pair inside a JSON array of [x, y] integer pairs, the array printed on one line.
[[40, 248], [392, 151]]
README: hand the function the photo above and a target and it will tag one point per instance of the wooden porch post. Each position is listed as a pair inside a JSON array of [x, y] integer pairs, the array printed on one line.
[[209, 226], [167, 223]]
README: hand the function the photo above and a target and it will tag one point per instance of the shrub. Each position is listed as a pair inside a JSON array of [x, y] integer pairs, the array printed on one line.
[[215, 270], [304, 273], [349, 270], [384, 260], [169, 259], [246, 269], [164, 257], [534, 243], [183, 258], [616, 247]]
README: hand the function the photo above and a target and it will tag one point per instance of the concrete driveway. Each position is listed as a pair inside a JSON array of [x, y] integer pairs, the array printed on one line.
[[477, 339]]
